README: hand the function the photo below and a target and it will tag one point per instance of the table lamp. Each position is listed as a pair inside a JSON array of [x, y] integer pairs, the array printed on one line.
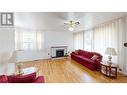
[[111, 52]]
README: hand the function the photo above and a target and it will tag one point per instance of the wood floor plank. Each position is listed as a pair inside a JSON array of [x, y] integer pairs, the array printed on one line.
[[66, 70]]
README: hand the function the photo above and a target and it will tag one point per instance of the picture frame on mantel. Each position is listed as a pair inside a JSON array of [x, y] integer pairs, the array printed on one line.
[[7, 19]]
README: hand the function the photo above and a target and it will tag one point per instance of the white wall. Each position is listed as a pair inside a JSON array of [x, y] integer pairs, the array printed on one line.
[[51, 38], [29, 56], [6, 48], [6, 39], [43, 22]]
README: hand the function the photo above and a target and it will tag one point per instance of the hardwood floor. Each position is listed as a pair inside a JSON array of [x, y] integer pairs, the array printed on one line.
[[69, 71]]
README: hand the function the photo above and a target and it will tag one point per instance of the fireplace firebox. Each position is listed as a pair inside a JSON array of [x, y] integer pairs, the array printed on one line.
[[60, 53]]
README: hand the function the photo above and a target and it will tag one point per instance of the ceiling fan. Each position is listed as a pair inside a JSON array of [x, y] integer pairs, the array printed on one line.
[[72, 24]]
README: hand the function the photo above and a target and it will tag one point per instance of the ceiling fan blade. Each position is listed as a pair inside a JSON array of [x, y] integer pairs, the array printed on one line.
[[66, 23], [77, 23]]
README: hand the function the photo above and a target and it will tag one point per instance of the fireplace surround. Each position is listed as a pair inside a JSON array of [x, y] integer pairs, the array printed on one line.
[[58, 51]]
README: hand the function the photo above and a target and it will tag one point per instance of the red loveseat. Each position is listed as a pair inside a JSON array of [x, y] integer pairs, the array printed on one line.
[[85, 58], [30, 78]]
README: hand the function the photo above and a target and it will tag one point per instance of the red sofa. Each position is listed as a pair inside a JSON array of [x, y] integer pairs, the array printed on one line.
[[30, 78], [85, 58]]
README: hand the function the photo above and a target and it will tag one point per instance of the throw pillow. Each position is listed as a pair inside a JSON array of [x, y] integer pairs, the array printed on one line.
[[22, 78], [76, 52], [94, 57]]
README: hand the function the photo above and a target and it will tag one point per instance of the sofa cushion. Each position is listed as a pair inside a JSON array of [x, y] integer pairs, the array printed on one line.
[[3, 79], [85, 59], [89, 61], [76, 51], [22, 78], [81, 57], [85, 53]]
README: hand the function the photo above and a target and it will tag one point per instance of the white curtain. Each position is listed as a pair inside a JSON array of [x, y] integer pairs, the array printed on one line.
[[88, 40], [112, 34], [78, 40], [106, 35], [31, 40]]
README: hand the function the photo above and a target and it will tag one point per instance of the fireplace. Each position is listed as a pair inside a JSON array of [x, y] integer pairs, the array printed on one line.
[[60, 53]]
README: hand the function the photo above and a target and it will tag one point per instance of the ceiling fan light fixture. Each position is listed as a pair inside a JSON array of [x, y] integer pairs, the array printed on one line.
[[71, 29], [72, 24]]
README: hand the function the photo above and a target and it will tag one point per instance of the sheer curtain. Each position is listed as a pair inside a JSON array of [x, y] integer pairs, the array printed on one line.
[[88, 37], [32, 40], [105, 36], [111, 34], [78, 40]]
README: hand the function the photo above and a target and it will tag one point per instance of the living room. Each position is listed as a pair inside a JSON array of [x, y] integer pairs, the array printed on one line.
[[48, 43], [63, 47]]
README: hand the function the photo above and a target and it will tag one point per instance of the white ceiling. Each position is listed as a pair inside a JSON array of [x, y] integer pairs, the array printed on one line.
[[54, 21]]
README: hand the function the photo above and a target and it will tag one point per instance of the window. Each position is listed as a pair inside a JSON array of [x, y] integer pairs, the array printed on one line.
[[88, 40], [28, 40], [83, 40], [78, 40]]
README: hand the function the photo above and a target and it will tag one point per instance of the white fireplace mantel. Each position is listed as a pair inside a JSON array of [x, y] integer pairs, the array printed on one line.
[[55, 48]]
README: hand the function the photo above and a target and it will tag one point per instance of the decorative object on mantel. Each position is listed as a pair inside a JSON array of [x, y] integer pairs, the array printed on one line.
[[111, 52], [66, 54], [71, 25]]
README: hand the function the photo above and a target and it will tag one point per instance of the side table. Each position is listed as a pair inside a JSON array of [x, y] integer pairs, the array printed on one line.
[[109, 70]]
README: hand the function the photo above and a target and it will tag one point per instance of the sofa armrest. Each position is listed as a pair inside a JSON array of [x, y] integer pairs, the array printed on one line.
[[73, 53], [39, 79], [3, 79], [98, 65]]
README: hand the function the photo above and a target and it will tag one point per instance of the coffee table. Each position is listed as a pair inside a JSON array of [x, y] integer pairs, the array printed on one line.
[[28, 70]]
